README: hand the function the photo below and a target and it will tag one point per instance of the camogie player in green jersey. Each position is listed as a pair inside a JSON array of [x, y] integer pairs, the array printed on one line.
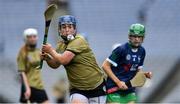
[[27, 60], [85, 77]]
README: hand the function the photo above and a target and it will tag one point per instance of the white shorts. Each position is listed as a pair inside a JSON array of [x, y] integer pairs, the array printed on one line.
[[83, 99]]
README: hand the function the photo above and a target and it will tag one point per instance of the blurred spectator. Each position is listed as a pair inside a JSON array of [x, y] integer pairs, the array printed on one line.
[[60, 91], [58, 2], [142, 13], [2, 44]]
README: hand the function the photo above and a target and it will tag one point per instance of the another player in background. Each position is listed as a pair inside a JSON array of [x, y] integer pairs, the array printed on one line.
[[123, 64], [86, 79], [28, 59]]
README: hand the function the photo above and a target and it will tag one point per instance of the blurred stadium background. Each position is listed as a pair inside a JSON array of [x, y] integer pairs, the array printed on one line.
[[104, 22]]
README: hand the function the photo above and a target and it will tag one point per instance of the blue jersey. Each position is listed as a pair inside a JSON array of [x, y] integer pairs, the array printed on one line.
[[125, 63]]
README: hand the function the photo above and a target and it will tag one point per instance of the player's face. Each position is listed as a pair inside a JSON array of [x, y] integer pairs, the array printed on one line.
[[32, 40], [136, 40], [67, 29]]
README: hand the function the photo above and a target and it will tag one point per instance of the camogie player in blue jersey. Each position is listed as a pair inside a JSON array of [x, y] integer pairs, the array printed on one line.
[[123, 64]]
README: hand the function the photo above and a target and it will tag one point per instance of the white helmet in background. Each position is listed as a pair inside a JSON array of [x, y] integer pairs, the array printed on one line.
[[29, 32]]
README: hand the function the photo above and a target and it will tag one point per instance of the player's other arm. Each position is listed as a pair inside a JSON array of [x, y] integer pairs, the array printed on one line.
[[21, 69], [141, 64], [107, 68], [26, 85]]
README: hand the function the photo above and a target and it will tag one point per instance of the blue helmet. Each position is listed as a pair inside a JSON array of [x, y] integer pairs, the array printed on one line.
[[67, 19]]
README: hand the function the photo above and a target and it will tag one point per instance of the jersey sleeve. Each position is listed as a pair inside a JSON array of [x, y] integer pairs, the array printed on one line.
[[58, 47], [21, 62], [140, 66], [76, 46], [115, 56]]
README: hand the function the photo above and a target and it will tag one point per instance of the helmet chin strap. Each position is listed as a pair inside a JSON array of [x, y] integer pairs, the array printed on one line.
[[64, 38]]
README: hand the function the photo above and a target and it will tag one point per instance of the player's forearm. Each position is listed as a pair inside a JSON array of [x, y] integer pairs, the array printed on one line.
[[58, 57], [106, 67], [53, 63], [25, 80]]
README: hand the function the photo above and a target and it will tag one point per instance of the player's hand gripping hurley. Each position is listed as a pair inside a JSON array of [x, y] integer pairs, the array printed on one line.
[[48, 14], [138, 81]]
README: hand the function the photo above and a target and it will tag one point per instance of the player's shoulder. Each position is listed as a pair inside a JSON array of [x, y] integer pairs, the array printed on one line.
[[125, 45], [78, 40], [122, 47], [61, 45], [79, 37], [22, 50], [142, 49], [60, 42]]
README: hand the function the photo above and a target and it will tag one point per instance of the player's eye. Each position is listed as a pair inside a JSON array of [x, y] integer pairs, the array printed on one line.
[[63, 27], [70, 26]]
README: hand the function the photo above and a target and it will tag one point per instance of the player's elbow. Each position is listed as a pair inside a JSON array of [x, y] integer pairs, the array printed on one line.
[[64, 62], [66, 57], [105, 65]]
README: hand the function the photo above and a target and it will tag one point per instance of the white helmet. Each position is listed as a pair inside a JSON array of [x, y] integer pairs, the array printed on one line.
[[30, 32]]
